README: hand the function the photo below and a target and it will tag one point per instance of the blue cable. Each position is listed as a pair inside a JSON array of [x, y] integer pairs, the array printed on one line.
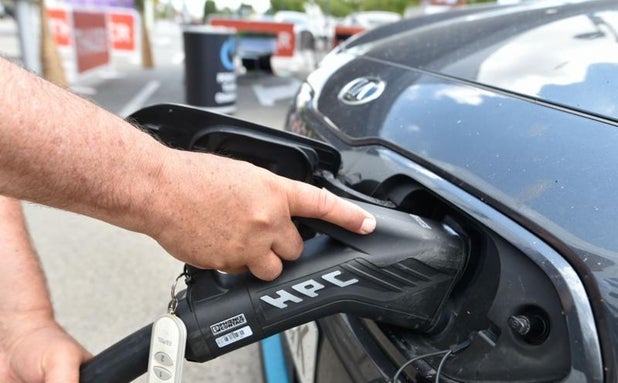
[[275, 370]]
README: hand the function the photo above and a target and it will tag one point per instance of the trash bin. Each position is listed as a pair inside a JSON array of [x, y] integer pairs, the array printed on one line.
[[210, 78]]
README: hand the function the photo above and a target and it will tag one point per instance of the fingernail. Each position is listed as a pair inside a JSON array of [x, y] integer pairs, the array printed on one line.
[[368, 226]]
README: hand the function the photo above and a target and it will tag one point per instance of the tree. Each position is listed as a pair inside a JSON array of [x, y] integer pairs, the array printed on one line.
[[227, 11], [287, 5], [337, 8], [342, 8], [210, 8], [51, 63], [398, 6], [245, 10], [147, 56]]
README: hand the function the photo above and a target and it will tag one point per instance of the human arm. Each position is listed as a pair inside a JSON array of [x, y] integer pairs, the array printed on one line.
[[33, 347], [209, 211]]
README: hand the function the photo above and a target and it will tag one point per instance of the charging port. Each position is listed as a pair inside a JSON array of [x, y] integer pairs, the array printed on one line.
[[503, 302]]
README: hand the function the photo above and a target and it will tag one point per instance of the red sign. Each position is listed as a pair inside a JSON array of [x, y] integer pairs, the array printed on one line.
[[60, 26], [91, 45], [122, 31], [286, 39], [342, 33]]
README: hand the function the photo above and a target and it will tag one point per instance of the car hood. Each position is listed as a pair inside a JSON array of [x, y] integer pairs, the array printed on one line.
[[565, 54]]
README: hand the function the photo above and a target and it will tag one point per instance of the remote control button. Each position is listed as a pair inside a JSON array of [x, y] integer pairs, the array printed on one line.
[[162, 373], [164, 359]]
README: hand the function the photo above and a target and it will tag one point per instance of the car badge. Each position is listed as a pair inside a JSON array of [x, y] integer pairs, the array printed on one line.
[[361, 91]]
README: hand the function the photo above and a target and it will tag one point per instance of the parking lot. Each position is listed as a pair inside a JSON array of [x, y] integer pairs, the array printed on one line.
[[106, 282]]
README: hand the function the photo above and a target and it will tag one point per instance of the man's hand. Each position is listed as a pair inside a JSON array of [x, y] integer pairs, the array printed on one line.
[[230, 215], [35, 349], [208, 211]]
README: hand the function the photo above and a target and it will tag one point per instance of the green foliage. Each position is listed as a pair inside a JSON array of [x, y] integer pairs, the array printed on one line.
[[287, 5], [245, 9], [385, 5], [227, 12], [139, 5], [210, 8], [337, 8], [341, 8]]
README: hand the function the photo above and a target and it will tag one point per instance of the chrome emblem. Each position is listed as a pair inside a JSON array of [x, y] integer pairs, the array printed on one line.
[[361, 91]]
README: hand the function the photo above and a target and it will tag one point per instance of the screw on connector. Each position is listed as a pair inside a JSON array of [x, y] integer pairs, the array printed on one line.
[[520, 324], [532, 324]]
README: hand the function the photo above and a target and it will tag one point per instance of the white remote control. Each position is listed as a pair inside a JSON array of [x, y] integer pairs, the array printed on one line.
[[167, 350]]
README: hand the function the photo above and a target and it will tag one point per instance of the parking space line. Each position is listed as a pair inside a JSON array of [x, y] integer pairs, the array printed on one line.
[[140, 98], [268, 95], [178, 58]]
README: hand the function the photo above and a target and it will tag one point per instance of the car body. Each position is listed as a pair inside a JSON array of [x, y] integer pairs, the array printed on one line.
[[311, 34], [502, 121], [370, 19]]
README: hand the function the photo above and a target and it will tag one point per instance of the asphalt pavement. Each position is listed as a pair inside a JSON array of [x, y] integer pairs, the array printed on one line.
[[106, 282], [126, 87]]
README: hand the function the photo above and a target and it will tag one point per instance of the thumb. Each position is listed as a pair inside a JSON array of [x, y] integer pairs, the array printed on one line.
[[308, 201], [63, 365]]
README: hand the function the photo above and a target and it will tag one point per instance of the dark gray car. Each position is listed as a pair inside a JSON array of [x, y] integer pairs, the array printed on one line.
[[502, 121]]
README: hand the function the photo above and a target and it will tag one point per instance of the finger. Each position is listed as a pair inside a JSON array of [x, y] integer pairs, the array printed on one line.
[[63, 374], [86, 356], [63, 367], [266, 268], [311, 202], [288, 244]]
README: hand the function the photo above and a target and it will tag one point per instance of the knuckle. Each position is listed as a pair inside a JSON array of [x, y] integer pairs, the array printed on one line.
[[325, 202], [261, 219], [268, 270], [300, 246]]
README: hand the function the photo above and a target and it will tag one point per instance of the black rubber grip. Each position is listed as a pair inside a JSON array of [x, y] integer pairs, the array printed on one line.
[[123, 362]]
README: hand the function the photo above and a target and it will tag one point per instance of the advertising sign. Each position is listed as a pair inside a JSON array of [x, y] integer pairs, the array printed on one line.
[[122, 31], [343, 33], [60, 26], [91, 44], [102, 3]]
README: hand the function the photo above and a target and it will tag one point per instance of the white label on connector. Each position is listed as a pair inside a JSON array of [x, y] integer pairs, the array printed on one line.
[[234, 336], [228, 324]]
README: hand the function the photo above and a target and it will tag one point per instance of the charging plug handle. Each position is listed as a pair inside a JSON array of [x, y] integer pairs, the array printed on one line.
[[401, 274]]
